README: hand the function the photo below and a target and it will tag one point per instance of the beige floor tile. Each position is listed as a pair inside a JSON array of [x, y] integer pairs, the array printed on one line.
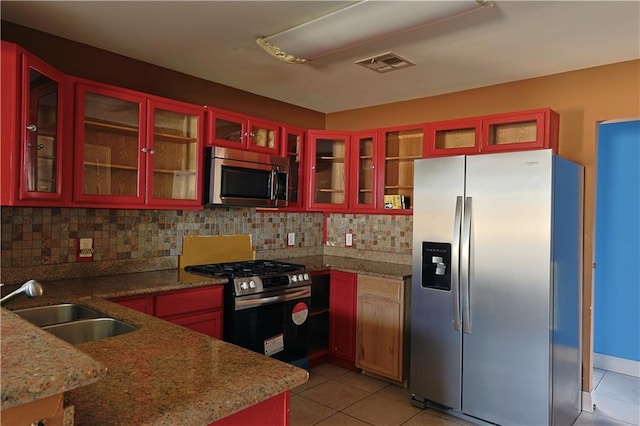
[[397, 392], [360, 381], [305, 412], [340, 419], [314, 380], [334, 394], [430, 418], [380, 410], [329, 370]]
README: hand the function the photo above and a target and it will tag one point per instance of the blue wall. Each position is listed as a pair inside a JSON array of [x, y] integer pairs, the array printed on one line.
[[617, 254]]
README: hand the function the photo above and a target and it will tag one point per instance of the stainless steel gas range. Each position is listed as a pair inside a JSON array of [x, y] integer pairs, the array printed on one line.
[[266, 306]]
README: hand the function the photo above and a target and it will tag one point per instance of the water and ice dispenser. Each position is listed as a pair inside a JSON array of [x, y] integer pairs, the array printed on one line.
[[436, 265]]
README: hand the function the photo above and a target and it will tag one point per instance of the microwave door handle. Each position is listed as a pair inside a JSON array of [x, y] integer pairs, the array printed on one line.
[[274, 184]]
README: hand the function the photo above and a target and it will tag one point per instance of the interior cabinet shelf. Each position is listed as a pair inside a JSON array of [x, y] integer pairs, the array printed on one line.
[[110, 166], [175, 138], [112, 126], [324, 157], [330, 190], [404, 158]]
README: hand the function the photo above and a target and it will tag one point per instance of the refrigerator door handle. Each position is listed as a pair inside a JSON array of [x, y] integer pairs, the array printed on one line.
[[455, 264], [465, 254]]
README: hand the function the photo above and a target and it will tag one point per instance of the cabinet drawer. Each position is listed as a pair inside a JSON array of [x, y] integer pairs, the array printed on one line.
[[382, 287], [186, 301]]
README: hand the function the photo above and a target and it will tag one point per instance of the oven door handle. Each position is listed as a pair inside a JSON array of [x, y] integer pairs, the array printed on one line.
[[261, 301]]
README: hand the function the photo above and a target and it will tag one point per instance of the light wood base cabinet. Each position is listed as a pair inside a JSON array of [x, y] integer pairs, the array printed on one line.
[[382, 327]]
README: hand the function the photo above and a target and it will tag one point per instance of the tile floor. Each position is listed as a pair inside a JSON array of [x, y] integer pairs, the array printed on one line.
[[334, 396]]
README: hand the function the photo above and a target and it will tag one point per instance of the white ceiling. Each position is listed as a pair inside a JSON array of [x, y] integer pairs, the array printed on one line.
[[215, 40]]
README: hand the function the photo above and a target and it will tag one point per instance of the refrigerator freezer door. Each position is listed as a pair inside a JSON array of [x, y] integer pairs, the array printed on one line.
[[506, 368], [435, 343]]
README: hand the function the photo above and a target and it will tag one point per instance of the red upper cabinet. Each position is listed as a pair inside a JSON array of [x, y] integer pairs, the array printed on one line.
[[33, 143], [363, 169], [399, 148], [453, 137], [328, 158], [242, 132], [176, 155], [534, 129], [514, 131], [135, 150], [293, 142]]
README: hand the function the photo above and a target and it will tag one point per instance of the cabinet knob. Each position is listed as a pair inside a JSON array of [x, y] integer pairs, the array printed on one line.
[[152, 151], [144, 150], [32, 128], [313, 167]]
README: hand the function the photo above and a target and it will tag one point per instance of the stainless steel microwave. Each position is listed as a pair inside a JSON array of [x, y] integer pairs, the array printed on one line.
[[243, 178]]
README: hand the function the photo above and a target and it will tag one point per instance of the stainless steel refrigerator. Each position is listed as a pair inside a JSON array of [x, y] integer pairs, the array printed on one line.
[[496, 289]]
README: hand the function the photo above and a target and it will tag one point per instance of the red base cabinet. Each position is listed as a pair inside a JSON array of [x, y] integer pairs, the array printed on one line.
[[342, 318], [199, 309], [272, 412]]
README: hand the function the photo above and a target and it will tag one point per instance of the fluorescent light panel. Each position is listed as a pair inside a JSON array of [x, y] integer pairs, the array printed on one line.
[[358, 24]]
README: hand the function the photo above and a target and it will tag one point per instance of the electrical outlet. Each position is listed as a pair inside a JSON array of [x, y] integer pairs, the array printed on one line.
[[85, 250], [291, 239], [348, 240]]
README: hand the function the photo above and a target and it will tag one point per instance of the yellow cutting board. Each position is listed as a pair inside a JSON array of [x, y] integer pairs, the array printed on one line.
[[200, 250]]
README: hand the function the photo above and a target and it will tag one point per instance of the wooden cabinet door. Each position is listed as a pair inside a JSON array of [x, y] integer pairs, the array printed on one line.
[[399, 148], [33, 139], [110, 138], [175, 154], [328, 157], [263, 136], [226, 129], [380, 326], [342, 315], [363, 180], [209, 323], [142, 304], [292, 147], [198, 309], [534, 129], [454, 137]]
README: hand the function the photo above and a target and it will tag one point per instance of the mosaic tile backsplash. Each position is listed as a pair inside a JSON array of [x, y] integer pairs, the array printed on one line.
[[152, 239]]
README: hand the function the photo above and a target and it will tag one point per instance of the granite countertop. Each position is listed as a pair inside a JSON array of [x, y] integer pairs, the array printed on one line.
[[358, 266], [35, 364], [160, 374]]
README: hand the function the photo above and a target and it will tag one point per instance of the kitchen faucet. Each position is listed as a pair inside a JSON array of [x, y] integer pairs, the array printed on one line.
[[31, 288]]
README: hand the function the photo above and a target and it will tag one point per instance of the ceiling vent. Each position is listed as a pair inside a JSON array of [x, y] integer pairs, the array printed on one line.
[[385, 62]]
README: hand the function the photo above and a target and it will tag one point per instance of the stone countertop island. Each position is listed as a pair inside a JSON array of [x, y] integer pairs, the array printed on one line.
[[160, 374]]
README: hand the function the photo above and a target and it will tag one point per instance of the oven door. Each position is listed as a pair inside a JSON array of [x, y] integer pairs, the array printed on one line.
[[273, 323]]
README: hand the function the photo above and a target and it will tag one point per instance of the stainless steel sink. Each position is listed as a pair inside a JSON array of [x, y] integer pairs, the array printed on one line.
[[89, 330], [57, 314]]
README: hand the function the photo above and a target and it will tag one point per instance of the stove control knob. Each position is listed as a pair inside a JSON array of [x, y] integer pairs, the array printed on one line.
[[300, 278], [252, 284], [306, 277], [244, 285], [294, 278]]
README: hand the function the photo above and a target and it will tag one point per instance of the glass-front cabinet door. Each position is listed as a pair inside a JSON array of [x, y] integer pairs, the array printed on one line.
[[329, 155], [363, 178], [41, 130], [454, 137], [263, 136], [109, 144], [292, 148], [402, 146], [174, 153], [226, 129]]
